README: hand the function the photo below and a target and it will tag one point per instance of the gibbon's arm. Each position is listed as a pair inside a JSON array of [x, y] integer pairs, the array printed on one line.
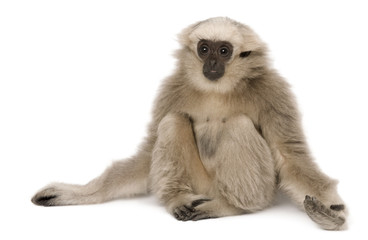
[[281, 127], [298, 174]]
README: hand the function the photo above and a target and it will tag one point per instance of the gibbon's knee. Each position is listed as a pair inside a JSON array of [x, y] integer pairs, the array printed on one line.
[[240, 120], [241, 123]]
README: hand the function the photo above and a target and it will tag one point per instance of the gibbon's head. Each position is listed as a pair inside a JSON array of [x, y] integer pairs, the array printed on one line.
[[218, 53]]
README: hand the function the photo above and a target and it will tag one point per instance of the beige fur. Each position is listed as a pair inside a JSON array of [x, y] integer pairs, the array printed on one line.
[[218, 148]]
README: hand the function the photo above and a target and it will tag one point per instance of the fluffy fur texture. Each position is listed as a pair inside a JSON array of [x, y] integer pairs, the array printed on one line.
[[218, 148]]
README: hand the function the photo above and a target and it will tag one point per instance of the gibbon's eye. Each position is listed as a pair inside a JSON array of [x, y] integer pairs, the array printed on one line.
[[224, 51], [204, 49]]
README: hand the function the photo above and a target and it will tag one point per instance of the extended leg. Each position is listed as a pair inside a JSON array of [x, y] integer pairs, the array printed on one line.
[[122, 179]]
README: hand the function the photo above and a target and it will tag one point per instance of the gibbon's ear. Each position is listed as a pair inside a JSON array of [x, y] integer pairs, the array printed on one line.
[[245, 54]]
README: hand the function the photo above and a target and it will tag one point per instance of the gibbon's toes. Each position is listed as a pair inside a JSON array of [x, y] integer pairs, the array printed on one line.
[[47, 197], [46, 201], [189, 212], [184, 213], [328, 219]]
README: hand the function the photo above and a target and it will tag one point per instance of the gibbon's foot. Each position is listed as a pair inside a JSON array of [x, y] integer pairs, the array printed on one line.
[[59, 194], [189, 212], [327, 218], [46, 201], [46, 197]]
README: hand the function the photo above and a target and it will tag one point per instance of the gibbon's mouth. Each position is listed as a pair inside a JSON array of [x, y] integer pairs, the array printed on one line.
[[213, 72], [212, 75]]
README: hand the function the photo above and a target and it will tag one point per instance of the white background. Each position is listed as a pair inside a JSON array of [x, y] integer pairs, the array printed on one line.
[[77, 82]]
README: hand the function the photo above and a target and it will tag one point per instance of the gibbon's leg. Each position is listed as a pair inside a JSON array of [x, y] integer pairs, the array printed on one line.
[[309, 187], [178, 176], [122, 179], [241, 160]]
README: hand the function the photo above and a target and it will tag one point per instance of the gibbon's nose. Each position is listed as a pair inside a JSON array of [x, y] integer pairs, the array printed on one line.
[[213, 63]]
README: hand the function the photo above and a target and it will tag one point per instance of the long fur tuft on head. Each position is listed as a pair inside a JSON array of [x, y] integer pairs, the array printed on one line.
[[222, 29]]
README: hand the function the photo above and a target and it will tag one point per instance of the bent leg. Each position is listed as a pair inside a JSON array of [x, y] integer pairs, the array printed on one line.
[[177, 174], [245, 174], [237, 176]]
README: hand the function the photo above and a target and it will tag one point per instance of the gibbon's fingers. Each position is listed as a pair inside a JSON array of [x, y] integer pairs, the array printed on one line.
[[190, 212], [215, 208], [327, 218]]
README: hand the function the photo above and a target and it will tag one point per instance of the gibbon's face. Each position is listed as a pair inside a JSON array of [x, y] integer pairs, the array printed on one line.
[[218, 53], [214, 56]]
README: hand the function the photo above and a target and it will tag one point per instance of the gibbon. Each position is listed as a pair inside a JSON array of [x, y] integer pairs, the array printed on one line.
[[225, 135]]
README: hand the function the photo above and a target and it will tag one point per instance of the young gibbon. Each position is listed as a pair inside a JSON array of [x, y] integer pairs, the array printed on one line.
[[225, 135]]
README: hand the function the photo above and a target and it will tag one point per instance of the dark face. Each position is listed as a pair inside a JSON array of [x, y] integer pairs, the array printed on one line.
[[215, 55]]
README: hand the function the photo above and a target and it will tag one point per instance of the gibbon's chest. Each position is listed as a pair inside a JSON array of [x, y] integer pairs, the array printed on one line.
[[212, 110], [210, 115]]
